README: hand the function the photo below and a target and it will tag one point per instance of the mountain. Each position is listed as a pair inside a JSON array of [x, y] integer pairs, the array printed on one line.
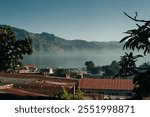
[[46, 42]]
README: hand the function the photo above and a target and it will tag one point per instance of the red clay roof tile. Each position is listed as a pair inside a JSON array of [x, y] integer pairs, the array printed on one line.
[[106, 84], [20, 92]]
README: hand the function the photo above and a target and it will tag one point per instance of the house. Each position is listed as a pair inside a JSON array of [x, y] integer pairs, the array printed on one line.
[[28, 68], [23, 71], [80, 73], [47, 71], [33, 85], [31, 67], [107, 88]]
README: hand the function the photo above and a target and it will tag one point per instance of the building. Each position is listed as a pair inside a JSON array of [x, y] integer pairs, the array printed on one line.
[[29, 68], [23, 71], [47, 71], [106, 88], [34, 85], [80, 73]]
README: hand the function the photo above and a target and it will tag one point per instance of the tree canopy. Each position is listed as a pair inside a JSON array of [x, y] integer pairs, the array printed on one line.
[[12, 50], [128, 66], [91, 68], [137, 39]]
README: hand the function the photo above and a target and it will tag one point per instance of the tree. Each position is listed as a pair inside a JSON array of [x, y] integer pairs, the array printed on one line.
[[137, 39], [90, 66], [114, 63], [128, 66], [110, 70], [61, 72], [12, 50]]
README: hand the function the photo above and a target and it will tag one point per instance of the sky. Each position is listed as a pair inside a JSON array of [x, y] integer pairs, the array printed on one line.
[[91, 20]]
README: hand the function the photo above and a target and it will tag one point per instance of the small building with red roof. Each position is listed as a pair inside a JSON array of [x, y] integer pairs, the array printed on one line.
[[107, 88]]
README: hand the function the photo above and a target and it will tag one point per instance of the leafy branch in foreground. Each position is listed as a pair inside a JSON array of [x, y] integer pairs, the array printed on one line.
[[12, 50], [137, 39], [128, 66]]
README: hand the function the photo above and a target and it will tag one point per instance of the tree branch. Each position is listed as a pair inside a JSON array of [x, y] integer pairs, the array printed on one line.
[[135, 18]]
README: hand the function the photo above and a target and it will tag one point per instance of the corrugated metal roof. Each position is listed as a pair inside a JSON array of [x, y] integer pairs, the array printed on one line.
[[106, 84]]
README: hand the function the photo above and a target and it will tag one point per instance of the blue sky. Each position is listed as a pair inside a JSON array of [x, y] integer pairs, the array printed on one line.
[[91, 20]]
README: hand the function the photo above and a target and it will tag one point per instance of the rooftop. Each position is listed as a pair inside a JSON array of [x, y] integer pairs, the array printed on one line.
[[29, 65], [37, 83], [37, 77], [105, 84], [19, 92]]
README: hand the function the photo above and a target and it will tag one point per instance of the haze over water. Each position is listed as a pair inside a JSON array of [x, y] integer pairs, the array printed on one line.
[[77, 59]]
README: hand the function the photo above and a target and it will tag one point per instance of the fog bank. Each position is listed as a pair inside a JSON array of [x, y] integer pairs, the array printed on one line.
[[78, 58]]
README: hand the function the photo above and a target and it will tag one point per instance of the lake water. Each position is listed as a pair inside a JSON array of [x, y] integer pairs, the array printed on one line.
[[76, 59]]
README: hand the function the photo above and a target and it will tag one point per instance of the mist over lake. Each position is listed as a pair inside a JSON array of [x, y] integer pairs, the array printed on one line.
[[77, 59]]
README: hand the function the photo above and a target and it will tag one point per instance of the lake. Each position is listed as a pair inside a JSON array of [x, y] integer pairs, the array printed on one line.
[[77, 59]]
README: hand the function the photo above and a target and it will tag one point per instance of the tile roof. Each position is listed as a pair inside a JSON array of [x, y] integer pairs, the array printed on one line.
[[37, 77], [105, 84], [20, 92], [37, 83], [29, 65]]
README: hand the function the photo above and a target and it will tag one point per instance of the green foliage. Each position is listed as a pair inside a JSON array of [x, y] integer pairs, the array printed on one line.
[[110, 70], [139, 39], [128, 66], [91, 68], [60, 72], [68, 96], [142, 84], [90, 65], [78, 95], [12, 50]]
